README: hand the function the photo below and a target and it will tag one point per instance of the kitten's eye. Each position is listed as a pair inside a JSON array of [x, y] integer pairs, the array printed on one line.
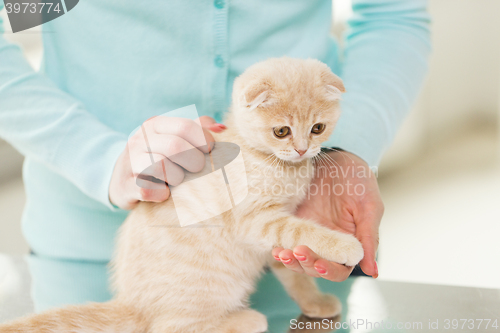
[[318, 128], [281, 132]]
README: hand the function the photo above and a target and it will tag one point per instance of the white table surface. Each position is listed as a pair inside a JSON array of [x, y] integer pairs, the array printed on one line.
[[369, 300]]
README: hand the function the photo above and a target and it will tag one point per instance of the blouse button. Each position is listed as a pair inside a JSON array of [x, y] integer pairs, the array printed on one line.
[[219, 62], [219, 4]]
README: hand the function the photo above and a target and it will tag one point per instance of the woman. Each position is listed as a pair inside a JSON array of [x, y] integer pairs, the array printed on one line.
[[111, 65]]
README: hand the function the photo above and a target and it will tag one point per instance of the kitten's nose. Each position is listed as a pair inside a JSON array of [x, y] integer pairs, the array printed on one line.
[[301, 152]]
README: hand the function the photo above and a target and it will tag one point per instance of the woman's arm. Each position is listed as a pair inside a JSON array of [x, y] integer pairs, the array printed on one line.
[[384, 64], [48, 125]]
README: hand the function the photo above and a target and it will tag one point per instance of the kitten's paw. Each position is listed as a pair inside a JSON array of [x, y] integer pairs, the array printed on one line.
[[342, 248], [323, 306], [253, 322]]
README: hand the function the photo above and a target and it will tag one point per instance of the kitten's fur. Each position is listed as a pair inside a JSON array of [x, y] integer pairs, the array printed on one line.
[[197, 279]]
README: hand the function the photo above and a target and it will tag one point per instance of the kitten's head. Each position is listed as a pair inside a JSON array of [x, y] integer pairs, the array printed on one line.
[[287, 107]]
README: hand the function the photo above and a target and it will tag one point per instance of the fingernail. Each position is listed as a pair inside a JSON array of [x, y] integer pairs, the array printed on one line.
[[286, 261], [301, 258], [320, 270], [376, 271], [216, 128], [277, 258], [222, 126]]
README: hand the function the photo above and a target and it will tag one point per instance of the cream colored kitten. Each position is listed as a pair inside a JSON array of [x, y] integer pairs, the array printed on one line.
[[170, 279]]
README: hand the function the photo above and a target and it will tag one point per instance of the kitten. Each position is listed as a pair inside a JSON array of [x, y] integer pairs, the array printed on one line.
[[198, 279]]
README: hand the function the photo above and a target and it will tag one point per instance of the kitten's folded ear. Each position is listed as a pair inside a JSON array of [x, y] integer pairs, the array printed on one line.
[[334, 86], [257, 94]]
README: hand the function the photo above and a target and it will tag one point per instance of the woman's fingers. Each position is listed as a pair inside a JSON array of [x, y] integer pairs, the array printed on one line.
[[158, 194], [276, 253], [316, 266], [287, 258], [156, 154], [307, 258], [187, 129], [303, 260], [332, 271], [367, 231], [210, 123], [206, 121], [177, 150], [183, 141], [158, 167]]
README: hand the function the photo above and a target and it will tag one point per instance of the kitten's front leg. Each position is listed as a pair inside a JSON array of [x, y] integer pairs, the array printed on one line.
[[303, 290], [279, 229]]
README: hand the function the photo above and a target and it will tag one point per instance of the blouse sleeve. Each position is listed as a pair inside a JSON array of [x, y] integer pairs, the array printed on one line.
[[384, 64]]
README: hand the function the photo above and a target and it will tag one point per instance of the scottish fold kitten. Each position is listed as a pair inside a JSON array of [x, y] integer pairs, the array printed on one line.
[[198, 279]]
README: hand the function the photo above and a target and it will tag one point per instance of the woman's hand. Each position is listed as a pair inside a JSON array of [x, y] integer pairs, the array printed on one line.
[[160, 139], [344, 196]]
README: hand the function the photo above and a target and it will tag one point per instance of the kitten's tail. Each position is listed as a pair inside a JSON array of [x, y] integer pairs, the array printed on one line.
[[90, 318]]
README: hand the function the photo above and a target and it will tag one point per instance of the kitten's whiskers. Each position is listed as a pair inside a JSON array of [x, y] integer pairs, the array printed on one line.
[[339, 151]]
